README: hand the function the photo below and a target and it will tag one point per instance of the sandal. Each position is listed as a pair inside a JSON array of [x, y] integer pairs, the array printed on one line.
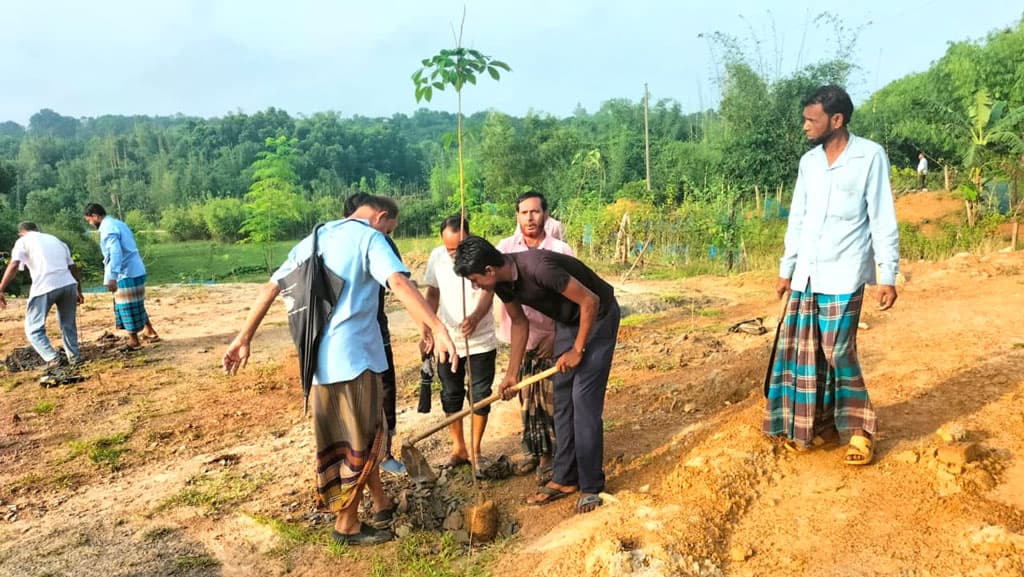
[[818, 442], [588, 502], [860, 452], [367, 535], [454, 461], [526, 464], [545, 474], [548, 495]]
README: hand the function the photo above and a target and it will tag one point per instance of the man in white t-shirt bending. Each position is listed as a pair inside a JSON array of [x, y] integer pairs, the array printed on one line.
[[55, 281], [444, 293]]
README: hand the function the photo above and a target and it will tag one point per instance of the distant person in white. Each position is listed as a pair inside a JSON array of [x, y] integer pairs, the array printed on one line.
[[922, 172], [55, 281]]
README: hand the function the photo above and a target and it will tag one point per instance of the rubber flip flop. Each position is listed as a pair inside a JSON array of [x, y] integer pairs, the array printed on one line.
[[367, 535], [588, 503], [550, 495]]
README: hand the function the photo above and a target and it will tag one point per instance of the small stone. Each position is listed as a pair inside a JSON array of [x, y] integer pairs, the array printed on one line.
[[863, 326], [644, 488], [696, 462], [952, 433], [959, 453], [453, 522], [403, 530], [689, 407], [461, 536], [909, 457], [740, 553]]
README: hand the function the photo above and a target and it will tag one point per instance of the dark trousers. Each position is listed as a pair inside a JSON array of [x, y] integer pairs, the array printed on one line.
[[922, 179], [579, 404], [388, 382]]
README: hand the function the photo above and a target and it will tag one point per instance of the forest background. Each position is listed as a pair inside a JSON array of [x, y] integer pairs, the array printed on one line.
[[226, 191]]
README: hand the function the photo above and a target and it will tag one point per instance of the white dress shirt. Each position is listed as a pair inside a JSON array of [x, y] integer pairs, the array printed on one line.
[[842, 222]]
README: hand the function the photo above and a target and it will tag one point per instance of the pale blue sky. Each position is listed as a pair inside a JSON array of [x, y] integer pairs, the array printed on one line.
[[210, 57]]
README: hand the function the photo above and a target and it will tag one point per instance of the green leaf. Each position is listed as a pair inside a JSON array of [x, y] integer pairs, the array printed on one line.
[[471, 77], [439, 85], [493, 72], [416, 75], [426, 62], [501, 65], [428, 93]]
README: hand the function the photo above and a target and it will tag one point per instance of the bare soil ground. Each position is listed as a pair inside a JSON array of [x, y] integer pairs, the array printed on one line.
[[160, 465]]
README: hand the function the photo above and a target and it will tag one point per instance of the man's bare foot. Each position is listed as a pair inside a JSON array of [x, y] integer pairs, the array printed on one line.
[[550, 492]]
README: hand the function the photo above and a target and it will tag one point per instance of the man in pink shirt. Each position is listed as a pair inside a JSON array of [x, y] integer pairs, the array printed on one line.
[[535, 229]]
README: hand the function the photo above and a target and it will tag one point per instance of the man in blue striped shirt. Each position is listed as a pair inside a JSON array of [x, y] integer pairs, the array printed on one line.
[[842, 234]]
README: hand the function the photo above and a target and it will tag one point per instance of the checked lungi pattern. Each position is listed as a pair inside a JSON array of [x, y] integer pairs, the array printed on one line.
[[130, 304], [816, 382]]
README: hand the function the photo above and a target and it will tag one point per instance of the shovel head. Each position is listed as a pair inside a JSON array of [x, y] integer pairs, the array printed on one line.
[[416, 465]]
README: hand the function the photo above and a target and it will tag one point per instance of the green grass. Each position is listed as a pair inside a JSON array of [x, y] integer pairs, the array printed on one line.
[[200, 261], [425, 555], [105, 451], [158, 534], [43, 407], [203, 261], [213, 494], [186, 563]]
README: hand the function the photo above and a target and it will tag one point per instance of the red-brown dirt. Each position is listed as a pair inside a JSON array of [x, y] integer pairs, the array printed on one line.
[[694, 488]]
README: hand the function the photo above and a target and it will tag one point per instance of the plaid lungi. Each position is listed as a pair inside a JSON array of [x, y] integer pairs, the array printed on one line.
[[816, 382], [537, 407], [348, 422], [129, 304]]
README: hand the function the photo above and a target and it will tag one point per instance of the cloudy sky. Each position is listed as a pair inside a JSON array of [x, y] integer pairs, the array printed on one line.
[[210, 57]]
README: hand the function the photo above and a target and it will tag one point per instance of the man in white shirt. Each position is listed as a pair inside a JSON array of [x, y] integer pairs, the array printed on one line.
[[534, 230], [922, 172], [842, 233], [55, 281], [445, 294]]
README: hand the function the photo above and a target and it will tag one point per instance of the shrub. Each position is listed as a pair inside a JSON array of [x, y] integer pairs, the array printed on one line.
[[185, 223], [224, 218]]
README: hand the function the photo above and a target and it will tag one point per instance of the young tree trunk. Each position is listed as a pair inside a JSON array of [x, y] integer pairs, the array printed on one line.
[[945, 177]]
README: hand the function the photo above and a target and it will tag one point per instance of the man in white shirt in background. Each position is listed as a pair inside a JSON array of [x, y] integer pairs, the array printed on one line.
[[445, 292], [842, 233], [55, 281], [922, 172], [535, 229]]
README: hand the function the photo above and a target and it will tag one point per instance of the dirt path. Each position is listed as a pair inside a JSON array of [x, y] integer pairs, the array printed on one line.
[[159, 465]]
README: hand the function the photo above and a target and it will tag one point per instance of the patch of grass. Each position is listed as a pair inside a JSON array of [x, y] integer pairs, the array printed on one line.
[[422, 554], [101, 450], [204, 261], [44, 407], [66, 480], [615, 383], [213, 494], [291, 534], [192, 562], [158, 533], [639, 319], [25, 483], [710, 313]]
